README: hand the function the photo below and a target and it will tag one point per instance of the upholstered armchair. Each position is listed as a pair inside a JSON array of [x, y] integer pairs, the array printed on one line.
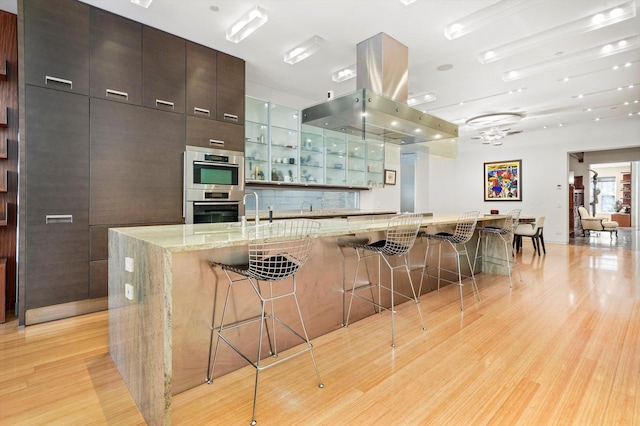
[[598, 224]]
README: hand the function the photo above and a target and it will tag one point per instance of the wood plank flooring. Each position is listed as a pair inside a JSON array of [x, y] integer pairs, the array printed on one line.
[[561, 347]]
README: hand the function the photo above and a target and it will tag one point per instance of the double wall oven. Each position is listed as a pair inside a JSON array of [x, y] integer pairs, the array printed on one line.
[[213, 185]]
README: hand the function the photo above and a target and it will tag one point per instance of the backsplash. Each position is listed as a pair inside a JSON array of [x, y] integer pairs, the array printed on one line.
[[292, 199]]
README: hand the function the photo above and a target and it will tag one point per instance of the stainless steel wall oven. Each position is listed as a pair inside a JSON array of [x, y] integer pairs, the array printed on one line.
[[213, 185]]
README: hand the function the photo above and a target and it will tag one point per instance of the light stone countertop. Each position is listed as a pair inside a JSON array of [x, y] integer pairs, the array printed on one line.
[[181, 238]]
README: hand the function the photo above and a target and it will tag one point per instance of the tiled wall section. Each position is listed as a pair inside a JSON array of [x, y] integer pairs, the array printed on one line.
[[293, 199]]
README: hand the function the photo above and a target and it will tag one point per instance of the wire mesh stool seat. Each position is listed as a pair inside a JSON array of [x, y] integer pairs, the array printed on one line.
[[400, 236], [505, 233], [276, 252], [465, 227]]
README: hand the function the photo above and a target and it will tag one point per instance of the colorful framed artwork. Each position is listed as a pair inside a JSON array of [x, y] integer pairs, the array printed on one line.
[[389, 177], [502, 181]]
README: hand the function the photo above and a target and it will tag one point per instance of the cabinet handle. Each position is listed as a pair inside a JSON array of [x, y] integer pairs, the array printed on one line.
[[48, 78], [230, 117], [117, 93], [166, 103], [58, 218], [197, 110], [216, 142]]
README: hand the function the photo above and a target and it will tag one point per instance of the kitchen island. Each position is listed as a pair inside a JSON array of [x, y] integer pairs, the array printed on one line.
[[163, 295]]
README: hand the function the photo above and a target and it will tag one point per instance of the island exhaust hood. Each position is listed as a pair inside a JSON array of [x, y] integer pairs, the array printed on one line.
[[379, 109]]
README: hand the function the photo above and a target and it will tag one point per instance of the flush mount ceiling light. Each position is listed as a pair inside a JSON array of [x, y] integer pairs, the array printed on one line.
[[422, 99], [304, 50], [247, 24], [344, 74], [494, 119], [597, 52], [484, 17], [143, 3], [588, 23], [494, 135]]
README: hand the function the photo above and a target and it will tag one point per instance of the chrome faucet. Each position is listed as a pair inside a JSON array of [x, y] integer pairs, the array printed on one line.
[[302, 207], [244, 201], [321, 203]]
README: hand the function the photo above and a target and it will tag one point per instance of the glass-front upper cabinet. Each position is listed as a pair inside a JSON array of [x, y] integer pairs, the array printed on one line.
[[284, 143], [311, 155], [375, 163], [357, 161], [365, 162], [335, 159], [256, 139]]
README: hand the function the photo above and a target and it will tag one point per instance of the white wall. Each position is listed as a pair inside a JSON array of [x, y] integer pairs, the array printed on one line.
[[457, 185]]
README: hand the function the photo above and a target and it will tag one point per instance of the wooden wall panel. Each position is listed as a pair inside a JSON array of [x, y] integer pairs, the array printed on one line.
[[9, 151]]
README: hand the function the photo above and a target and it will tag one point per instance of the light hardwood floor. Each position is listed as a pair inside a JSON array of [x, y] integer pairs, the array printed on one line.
[[561, 347]]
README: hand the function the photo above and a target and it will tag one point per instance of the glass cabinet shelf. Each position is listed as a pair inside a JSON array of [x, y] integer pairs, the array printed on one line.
[[279, 149]]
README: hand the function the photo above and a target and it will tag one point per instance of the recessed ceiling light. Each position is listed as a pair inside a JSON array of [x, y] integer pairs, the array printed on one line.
[[565, 79], [627, 65], [597, 119], [561, 125]]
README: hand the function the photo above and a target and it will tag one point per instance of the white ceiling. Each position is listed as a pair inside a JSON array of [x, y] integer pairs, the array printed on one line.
[[546, 100]]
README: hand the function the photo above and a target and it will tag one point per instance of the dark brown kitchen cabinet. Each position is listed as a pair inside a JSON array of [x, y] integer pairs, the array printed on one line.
[[57, 197], [230, 99], [116, 57], [214, 134], [201, 81], [136, 164], [98, 279], [163, 70], [56, 44]]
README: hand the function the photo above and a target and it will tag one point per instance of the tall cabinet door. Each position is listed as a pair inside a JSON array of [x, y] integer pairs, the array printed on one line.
[[57, 200], [230, 105], [201, 81], [57, 44], [116, 57], [163, 70], [136, 164]]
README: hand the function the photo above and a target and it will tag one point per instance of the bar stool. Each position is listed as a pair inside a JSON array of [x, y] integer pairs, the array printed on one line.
[[505, 233], [400, 237], [276, 252], [465, 226]]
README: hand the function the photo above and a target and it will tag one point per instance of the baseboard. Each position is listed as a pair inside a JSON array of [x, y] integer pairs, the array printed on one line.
[[65, 310]]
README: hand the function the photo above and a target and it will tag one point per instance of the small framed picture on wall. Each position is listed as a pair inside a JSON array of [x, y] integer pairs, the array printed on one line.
[[389, 177]]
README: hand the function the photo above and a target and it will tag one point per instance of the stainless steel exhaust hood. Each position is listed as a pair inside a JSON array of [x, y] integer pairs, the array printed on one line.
[[379, 109]]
